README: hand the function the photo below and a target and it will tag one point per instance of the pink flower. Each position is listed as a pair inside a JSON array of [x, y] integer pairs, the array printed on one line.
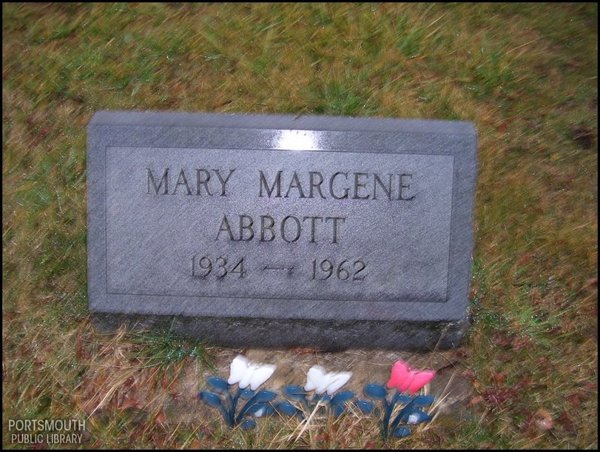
[[403, 378]]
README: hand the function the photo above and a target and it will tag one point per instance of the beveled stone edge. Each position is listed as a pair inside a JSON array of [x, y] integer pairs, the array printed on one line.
[[324, 336], [279, 121]]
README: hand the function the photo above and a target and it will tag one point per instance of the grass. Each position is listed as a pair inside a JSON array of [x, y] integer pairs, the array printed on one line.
[[525, 74]]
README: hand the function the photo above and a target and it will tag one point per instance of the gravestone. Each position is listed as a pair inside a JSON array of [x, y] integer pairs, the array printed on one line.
[[282, 231]]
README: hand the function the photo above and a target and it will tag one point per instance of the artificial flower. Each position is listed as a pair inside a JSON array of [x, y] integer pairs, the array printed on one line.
[[403, 378], [321, 381], [247, 373]]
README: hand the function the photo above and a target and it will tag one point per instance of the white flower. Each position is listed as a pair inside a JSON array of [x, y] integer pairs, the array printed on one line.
[[320, 381], [247, 373]]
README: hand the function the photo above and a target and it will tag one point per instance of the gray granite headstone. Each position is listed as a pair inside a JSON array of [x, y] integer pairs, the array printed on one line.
[[282, 231]]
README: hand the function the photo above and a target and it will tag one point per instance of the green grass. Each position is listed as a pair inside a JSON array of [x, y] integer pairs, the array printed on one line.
[[525, 74]]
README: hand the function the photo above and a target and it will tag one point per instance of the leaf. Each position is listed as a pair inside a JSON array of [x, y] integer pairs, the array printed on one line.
[[259, 398], [246, 393], [295, 392], [342, 397], [375, 391], [209, 398], [401, 432], [423, 400], [252, 409], [286, 408], [325, 398], [248, 424], [267, 410], [365, 406], [218, 384], [418, 417], [338, 409], [402, 398], [264, 396], [260, 409]]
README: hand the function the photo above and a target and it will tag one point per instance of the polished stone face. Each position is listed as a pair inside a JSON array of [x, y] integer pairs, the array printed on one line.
[[341, 223]]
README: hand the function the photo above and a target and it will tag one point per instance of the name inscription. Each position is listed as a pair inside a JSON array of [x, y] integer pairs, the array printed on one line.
[[316, 221], [339, 185]]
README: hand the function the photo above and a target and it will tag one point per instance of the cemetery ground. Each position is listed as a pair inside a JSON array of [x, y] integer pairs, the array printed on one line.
[[526, 75]]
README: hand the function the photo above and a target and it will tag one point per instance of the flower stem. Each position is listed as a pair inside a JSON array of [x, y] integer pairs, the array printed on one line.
[[234, 402], [246, 407], [388, 407], [401, 414]]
